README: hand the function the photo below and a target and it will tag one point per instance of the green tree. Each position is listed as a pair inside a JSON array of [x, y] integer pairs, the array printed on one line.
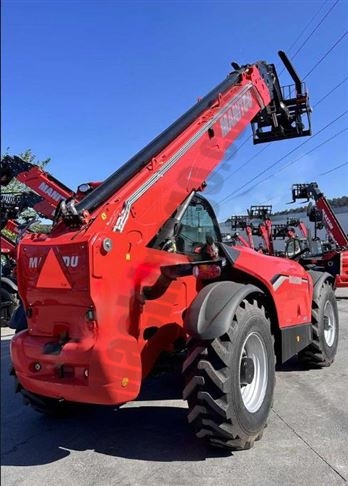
[[17, 187]]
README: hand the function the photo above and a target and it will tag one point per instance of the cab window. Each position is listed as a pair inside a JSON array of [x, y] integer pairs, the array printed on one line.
[[196, 224]]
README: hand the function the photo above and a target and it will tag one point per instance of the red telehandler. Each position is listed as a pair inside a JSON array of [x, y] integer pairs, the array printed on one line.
[[138, 269], [262, 229], [51, 190], [12, 205], [331, 256], [44, 195], [242, 222]]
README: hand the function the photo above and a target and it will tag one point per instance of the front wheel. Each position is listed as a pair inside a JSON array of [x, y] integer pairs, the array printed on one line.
[[230, 380], [322, 351]]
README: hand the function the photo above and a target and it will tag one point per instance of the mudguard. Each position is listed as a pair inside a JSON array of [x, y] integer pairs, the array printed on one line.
[[9, 284], [212, 311], [318, 279]]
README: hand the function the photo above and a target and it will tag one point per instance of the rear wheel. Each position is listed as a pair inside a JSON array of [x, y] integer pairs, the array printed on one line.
[[322, 351], [18, 319], [230, 380], [9, 303], [45, 405]]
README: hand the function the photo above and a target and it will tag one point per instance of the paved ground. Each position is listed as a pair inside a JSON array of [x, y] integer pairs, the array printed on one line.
[[148, 442]]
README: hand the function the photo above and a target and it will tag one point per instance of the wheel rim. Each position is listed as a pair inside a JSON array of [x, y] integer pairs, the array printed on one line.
[[329, 324], [253, 390]]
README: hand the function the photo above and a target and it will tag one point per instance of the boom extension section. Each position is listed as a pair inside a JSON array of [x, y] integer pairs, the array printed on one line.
[[51, 190], [12, 204], [249, 94]]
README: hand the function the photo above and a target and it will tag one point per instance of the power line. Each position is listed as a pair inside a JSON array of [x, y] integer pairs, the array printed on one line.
[[314, 67], [320, 175], [315, 29], [335, 168], [296, 160], [322, 99], [284, 157], [245, 141], [330, 92], [268, 144], [247, 162], [326, 54], [305, 28], [293, 161], [316, 104], [305, 41], [307, 153]]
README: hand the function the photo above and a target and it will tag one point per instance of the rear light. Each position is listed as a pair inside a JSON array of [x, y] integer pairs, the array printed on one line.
[[206, 272]]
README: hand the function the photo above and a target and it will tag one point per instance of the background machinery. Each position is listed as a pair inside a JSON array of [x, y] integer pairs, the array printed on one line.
[[256, 223], [330, 255], [137, 269], [42, 194]]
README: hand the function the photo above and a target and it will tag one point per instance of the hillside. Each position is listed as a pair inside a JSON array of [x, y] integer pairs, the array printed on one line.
[[336, 202]]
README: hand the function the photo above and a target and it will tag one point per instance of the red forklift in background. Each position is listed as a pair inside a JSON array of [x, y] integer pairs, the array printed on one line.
[[12, 205], [330, 255], [261, 229], [44, 195]]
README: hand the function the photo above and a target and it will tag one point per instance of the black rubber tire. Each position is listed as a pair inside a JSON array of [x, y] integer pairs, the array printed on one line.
[[320, 352], [211, 371], [48, 406], [9, 302], [18, 319], [45, 405]]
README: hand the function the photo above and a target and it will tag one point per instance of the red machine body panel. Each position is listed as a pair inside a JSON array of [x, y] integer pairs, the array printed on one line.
[[111, 346], [7, 246], [342, 277]]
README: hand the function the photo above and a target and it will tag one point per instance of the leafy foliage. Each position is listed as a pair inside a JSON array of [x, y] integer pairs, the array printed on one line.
[[16, 187]]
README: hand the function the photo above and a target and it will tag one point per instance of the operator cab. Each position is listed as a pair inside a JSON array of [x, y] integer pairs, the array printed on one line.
[[192, 228], [297, 247]]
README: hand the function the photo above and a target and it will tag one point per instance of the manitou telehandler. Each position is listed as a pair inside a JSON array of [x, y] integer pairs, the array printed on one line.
[[331, 256], [51, 190], [138, 269]]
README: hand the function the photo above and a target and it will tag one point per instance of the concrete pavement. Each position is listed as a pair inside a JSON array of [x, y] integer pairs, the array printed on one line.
[[148, 442]]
